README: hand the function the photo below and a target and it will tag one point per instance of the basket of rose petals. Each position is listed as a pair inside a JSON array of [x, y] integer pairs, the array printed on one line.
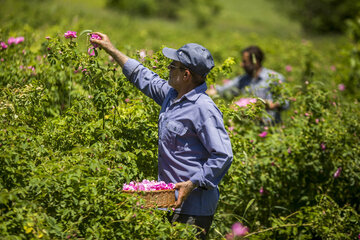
[[155, 194]]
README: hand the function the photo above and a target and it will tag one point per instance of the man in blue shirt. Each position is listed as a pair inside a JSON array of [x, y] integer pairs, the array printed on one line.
[[194, 147], [256, 82]]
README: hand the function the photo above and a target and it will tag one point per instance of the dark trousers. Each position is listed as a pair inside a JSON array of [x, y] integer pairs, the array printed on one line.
[[202, 222]]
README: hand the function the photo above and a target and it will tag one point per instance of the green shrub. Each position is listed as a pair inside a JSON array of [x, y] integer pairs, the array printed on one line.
[[322, 16]]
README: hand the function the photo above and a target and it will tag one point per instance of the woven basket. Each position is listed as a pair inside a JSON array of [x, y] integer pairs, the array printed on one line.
[[160, 198]]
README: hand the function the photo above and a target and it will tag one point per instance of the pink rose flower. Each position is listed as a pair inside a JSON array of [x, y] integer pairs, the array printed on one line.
[[341, 87], [323, 146], [288, 68], [70, 34], [225, 81], [19, 40], [142, 54], [243, 102], [3, 45], [239, 230], [11, 40], [261, 191], [337, 173], [333, 68], [95, 36], [147, 185], [263, 134], [91, 51]]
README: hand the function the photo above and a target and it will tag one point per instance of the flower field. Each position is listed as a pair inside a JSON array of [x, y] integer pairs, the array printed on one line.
[[74, 132]]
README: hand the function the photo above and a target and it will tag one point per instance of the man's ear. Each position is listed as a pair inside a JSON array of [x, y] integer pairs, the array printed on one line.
[[187, 74]]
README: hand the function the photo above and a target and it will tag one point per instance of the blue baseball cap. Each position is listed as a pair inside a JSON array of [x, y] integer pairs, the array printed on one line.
[[194, 56]]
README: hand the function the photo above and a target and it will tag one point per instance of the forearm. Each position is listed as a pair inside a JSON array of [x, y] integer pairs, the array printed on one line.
[[118, 56]]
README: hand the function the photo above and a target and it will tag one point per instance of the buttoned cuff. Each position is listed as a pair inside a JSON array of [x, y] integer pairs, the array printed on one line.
[[197, 182]]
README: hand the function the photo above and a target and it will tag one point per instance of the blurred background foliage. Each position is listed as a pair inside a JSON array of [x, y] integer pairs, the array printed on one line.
[[322, 16]]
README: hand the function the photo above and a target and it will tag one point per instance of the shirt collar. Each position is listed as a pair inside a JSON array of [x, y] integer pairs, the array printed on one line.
[[264, 73]]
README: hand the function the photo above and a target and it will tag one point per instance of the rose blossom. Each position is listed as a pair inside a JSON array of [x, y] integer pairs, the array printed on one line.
[[147, 185], [263, 134], [288, 68], [243, 102], [261, 191], [95, 36], [3, 45], [142, 54], [19, 40], [11, 40], [341, 87], [337, 173], [70, 34], [323, 146], [91, 51], [225, 81], [239, 230]]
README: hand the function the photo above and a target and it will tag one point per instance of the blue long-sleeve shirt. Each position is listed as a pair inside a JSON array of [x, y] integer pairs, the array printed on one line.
[[259, 87], [193, 142]]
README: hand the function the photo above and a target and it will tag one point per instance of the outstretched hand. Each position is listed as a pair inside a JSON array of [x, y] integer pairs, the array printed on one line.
[[184, 189], [104, 42]]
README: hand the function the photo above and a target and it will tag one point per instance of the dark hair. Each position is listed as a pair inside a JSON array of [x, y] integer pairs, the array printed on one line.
[[196, 78], [255, 50]]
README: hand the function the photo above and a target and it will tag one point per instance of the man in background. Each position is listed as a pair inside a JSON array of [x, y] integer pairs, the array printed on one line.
[[256, 82]]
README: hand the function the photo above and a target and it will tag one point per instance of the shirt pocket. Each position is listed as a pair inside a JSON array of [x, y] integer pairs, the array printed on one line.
[[175, 133], [176, 128]]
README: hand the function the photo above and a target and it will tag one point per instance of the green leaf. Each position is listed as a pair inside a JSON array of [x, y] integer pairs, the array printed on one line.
[[85, 31], [248, 205]]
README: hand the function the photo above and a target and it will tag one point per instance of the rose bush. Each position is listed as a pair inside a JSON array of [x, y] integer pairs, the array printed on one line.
[[74, 130]]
